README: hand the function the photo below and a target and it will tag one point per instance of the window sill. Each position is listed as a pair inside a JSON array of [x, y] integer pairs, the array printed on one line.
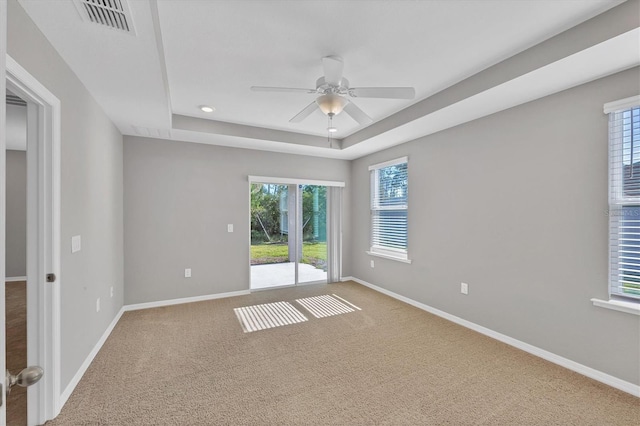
[[618, 305], [386, 256]]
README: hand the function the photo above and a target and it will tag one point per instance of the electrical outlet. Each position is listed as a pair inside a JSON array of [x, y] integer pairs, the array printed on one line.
[[111, 291], [464, 288], [373, 265], [98, 304], [230, 227], [187, 273]]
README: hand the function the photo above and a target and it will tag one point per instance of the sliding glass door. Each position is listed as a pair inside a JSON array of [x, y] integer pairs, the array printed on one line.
[[312, 235], [288, 234], [271, 258]]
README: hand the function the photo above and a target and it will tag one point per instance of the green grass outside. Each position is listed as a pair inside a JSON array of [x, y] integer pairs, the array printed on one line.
[[312, 254], [314, 250], [631, 287], [265, 251]]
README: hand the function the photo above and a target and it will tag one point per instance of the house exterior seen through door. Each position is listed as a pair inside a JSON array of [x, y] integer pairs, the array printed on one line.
[[288, 234]]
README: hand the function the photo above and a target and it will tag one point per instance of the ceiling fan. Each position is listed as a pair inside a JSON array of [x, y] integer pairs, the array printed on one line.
[[333, 89]]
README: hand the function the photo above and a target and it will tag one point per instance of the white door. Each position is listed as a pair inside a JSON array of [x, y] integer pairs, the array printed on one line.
[[43, 240]]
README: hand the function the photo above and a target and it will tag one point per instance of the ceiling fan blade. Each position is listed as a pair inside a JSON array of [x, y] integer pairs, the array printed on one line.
[[357, 114], [383, 92], [333, 67], [281, 89], [304, 113]]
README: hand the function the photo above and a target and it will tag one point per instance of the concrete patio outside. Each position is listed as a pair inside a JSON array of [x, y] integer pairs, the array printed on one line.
[[280, 274]]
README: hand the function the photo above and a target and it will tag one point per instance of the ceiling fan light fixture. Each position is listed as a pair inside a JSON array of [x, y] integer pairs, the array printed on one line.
[[331, 103], [334, 91], [206, 108]]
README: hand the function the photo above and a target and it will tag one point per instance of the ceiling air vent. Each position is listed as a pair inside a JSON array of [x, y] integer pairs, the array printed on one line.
[[12, 99], [114, 14]]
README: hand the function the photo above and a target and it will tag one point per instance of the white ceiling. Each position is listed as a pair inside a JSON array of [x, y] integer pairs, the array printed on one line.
[[188, 53]]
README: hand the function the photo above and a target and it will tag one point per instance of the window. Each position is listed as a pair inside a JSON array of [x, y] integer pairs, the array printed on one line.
[[624, 198], [389, 205]]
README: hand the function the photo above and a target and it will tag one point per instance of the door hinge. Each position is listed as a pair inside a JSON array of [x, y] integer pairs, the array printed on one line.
[[51, 278]]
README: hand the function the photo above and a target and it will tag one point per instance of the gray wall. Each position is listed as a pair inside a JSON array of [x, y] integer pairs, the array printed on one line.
[[91, 204], [16, 222], [514, 204], [179, 198]]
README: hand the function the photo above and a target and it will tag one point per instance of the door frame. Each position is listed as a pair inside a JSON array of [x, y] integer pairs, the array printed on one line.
[[298, 215], [3, 196], [43, 245]]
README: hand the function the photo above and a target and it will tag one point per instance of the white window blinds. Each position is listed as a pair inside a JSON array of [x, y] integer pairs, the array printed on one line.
[[624, 202], [389, 205]]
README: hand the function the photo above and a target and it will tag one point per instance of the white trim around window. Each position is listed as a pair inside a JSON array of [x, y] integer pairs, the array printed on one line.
[[393, 256], [389, 204], [622, 104], [389, 163], [624, 206], [618, 305]]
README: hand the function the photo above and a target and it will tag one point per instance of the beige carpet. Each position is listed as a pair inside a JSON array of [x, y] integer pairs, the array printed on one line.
[[388, 364]]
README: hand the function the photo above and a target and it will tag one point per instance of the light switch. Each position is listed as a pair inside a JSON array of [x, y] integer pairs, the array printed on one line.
[[230, 227], [76, 243], [187, 273]]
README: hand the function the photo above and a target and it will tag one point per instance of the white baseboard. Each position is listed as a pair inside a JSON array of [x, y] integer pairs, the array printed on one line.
[[14, 279], [605, 378], [87, 362], [148, 305]]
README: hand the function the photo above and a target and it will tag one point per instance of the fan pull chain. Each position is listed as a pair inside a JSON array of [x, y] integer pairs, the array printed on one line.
[[330, 130]]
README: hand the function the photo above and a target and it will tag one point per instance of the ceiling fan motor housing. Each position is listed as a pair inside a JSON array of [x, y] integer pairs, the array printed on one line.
[[323, 87]]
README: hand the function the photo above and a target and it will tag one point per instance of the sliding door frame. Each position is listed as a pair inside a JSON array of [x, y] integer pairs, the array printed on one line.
[[297, 182], [294, 181]]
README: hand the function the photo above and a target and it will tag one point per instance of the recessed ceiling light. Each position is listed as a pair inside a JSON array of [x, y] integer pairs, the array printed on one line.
[[207, 108], [332, 129]]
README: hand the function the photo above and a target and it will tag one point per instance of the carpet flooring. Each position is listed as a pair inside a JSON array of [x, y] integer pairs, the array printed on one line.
[[386, 364]]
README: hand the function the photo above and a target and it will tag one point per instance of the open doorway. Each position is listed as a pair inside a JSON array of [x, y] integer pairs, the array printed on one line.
[[16, 252], [40, 292]]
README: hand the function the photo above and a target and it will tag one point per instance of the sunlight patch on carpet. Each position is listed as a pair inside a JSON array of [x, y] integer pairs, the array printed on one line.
[[325, 306], [347, 302], [268, 315]]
